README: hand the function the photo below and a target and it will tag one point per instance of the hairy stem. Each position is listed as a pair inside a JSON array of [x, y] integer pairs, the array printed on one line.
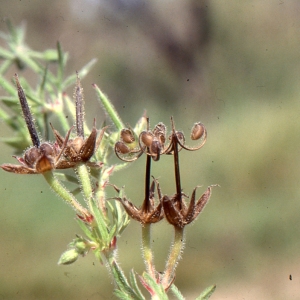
[[86, 184], [109, 109], [61, 191], [174, 257], [147, 251]]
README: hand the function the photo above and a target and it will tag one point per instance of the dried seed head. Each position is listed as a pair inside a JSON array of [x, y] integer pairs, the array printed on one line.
[[198, 131], [47, 149], [147, 138], [127, 135], [180, 136], [155, 150], [160, 128], [160, 132], [122, 148], [184, 215], [77, 143], [31, 155], [149, 212]]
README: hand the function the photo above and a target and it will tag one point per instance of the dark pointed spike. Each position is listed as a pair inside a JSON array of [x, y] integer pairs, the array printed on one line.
[[100, 136], [88, 148], [147, 205], [58, 137], [173, 215], [115, 187], [131, 209], [64, 144], [152, 189], [191, 214], [195, 209], [203, 200], [79, 103], [158, 191], [27, 114], [174, 142]]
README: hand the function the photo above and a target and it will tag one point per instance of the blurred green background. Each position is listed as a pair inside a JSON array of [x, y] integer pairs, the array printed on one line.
[[234, 65]]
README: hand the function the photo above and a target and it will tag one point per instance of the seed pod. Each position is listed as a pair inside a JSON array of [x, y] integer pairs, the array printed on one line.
[[146, 138], [155, 150], [127, 135], [31, 155], [180, 136], [197, 131], [77, 143], [160, 128], [120, 147], [47, 149]]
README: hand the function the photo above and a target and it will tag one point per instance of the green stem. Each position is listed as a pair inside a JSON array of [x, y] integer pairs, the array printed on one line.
[[114, 269], [109, 108], [85, 181], [109, 261], [146, 228], [61, 191], [100, 191], [147, 251], [174, 257]]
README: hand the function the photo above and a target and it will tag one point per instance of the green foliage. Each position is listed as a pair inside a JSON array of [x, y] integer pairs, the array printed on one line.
[[102, 220]]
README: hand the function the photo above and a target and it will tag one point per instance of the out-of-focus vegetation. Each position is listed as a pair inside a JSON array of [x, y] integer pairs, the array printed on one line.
[[234, 66]]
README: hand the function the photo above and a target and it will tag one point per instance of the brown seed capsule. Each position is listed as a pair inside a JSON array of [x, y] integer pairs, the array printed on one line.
[[127, 136], [77, 143], [146, 138], [155, 150], [122, 148], [197, 131], [160, 128], [31, 155]]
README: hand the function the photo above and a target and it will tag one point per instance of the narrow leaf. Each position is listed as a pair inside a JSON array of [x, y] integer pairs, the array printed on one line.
[[100, 220], [82, 73], [122, 282], [85, 229], [109, 108], [157, 288], [205, 295], [176, 292], [134, 284]]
